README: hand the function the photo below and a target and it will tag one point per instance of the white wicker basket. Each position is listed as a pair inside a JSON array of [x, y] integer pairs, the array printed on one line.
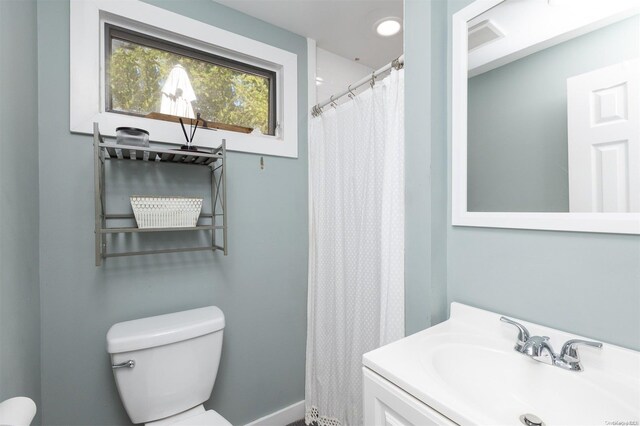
[[166, 212]]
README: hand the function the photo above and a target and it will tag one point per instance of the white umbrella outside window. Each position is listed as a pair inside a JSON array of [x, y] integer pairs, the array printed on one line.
[[177, 94]]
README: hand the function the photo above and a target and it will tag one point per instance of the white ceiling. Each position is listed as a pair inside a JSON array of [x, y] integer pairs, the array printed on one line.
[[532, 25], [344, 27]]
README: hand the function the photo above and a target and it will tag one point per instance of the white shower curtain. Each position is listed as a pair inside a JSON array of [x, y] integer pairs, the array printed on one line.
[[356, 246]]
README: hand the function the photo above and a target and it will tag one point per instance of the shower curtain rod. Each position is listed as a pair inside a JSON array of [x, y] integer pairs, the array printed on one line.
[[396, 63]]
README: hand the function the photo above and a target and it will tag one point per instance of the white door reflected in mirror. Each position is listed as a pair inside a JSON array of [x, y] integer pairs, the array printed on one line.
[[604, 144]]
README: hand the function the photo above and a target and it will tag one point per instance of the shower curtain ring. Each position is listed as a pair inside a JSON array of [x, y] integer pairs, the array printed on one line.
[[351, 94], [332, 102], [373, 79]]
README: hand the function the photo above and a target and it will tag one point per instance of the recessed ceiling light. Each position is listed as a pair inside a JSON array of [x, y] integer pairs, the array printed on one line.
[[388, 26]]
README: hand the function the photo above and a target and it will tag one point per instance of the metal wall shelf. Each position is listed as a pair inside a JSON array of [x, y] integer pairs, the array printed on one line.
[[155, 154], [131, 229], [215, 160]]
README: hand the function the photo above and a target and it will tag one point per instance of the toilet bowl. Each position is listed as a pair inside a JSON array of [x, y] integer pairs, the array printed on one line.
[[165, 366]]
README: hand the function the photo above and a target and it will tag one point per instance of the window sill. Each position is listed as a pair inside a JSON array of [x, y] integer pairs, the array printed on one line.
[[168, 132]]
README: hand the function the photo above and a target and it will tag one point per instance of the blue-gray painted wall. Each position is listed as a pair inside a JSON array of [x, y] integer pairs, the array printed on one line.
[[425, 164], [260, 286], [19, 283], [418, 199], [517, 148], [584, 283], [438, 169]]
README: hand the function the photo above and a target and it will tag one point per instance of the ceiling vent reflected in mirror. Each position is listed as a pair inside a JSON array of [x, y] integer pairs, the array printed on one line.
[[482, 34]]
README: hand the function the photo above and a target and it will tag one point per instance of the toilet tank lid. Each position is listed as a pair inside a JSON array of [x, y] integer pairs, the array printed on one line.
[[163, 329]]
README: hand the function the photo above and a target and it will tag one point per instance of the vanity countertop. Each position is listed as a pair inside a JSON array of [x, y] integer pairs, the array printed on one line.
[[466, 368]]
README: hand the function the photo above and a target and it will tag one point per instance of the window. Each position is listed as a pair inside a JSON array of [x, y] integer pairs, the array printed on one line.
[[122, 55], [146, 76]]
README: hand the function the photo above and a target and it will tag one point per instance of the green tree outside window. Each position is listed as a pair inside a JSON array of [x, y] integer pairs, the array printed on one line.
[[137, 74]]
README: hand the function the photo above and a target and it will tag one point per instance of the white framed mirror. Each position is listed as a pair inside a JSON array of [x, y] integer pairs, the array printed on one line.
[[546, 115]]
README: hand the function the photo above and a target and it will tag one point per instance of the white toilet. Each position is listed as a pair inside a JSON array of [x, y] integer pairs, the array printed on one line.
[[18, 411], [165, 366]]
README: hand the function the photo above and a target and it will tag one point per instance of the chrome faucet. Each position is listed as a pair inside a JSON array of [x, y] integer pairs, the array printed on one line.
[[539, 348]]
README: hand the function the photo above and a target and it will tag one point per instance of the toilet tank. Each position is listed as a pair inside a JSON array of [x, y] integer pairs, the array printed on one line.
[[176, 361]]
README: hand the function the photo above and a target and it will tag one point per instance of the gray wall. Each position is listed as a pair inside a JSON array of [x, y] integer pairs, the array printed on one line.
[[517, 150], [418, 200], [19, 287], [580, 282], [260, 285], [425, 168]]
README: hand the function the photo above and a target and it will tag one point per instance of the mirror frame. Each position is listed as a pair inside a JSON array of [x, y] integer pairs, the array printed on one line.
[[617, 223]]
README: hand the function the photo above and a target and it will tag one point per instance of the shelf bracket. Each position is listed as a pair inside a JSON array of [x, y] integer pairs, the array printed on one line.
[[98, 173]]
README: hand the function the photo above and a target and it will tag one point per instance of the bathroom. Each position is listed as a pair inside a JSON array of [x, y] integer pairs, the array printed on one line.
[[560, 272]]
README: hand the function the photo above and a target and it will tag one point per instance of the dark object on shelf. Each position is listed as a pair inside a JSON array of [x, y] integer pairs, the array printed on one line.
[[193, 150], [183, 130], [192, 132]]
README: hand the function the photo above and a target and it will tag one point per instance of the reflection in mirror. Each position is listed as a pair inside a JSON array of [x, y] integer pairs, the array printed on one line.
[[553, 107]]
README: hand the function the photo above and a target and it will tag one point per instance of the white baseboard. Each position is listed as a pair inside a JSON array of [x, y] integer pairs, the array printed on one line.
[[281, 417]]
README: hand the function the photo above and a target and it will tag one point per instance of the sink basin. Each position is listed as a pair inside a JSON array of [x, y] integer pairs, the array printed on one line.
[[466, 368], [512, 384]]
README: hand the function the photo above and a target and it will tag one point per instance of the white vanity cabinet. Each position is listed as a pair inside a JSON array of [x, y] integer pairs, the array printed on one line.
[[388, 405]]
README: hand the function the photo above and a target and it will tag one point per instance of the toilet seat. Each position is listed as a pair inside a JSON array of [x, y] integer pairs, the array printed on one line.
[[208, 418]]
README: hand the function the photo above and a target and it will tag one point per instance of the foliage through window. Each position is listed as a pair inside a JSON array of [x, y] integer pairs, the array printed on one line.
[[146, 75]]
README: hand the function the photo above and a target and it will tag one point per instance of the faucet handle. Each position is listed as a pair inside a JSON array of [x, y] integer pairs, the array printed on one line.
[[570, 348], [523, 333]]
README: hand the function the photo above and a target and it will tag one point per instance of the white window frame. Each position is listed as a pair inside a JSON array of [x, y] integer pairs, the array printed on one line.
[[87, 76]]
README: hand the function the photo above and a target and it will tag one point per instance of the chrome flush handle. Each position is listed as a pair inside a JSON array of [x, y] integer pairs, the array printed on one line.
[[127, 364]]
